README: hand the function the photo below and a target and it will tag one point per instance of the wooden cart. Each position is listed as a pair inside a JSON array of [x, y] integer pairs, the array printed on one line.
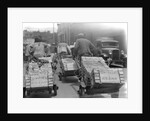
[[96, 77], [68, 67], [40, 78]]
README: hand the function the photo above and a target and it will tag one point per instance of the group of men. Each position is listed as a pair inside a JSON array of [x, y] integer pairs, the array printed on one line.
[[83, 47]]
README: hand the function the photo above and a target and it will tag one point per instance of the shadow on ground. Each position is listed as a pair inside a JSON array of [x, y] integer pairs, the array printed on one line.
[[70, 79], [44, 94]]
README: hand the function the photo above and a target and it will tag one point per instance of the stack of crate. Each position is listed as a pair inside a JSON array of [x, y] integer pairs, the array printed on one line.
[[40, 77], [91, 63], [69, 64]]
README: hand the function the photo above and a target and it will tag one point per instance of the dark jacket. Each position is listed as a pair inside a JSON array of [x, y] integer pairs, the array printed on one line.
[[84, 46]]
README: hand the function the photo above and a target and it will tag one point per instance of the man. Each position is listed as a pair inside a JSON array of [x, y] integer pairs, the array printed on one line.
[[39, 49], [83, 47], [28, 52], [63, 48], [47, 50]]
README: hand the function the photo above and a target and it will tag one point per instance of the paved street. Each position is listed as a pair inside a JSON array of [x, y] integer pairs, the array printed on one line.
[[68, 88]]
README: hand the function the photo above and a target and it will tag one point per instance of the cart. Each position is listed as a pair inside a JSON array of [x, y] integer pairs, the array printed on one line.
[[40, 77], [68, 67], [96, 77]]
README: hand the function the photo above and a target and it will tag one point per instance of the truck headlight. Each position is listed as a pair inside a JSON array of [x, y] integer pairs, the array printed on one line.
[[110, 52], [105, 55]]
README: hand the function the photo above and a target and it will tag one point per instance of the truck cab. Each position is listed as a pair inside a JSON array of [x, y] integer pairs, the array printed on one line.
[[110, 51]]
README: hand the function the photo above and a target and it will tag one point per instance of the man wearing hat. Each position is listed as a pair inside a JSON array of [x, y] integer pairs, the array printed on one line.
[[83, 47]]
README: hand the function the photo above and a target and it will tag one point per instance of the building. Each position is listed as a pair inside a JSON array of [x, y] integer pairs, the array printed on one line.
[[67, 32]]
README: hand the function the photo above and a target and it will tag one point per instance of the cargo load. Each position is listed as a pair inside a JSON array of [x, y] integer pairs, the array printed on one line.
[[97, 77], [40, 77], [68, 67]]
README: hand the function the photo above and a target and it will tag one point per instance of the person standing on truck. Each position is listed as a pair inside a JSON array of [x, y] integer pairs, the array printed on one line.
[[83, 47]]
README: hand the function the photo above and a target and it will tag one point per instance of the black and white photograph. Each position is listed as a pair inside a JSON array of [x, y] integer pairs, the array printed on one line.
[[75, 60]]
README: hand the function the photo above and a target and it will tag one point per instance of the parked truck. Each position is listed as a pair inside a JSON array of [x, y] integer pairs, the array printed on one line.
[[111, 52]]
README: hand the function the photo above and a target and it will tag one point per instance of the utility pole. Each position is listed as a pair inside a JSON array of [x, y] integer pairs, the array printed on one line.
[[69, 34], [53, 32]]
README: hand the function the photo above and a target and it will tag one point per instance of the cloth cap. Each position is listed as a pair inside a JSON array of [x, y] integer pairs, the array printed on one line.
[[81, 35]]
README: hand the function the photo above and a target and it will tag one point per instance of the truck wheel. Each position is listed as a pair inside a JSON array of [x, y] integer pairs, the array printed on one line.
[[115, 95], [55, 90]]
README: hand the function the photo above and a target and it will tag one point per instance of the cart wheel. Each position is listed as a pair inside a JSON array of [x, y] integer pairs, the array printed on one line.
[[55, 90], [28, 92], [125, 64], [60, 77], [88, 90], [115, 95], [50, 91], [24, 92], [81, 91]]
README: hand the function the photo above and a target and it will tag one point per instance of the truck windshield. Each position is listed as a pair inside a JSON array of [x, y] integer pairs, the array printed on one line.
[[110, 44]]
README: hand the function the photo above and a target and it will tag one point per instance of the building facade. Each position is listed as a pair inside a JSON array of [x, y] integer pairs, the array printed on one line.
[[67, 32]]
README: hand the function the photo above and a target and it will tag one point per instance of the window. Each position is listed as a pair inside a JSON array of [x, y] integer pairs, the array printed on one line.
[[110, 44]]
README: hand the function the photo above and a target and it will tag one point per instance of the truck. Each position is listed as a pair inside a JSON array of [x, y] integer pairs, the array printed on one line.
[[111, 53], [96, 77]]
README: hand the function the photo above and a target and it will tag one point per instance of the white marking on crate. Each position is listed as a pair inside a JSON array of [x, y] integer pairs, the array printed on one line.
[[120, 72], [27, 82], [96, 75], [122, 79], [97, 78], [97, 81], [121, 75]]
